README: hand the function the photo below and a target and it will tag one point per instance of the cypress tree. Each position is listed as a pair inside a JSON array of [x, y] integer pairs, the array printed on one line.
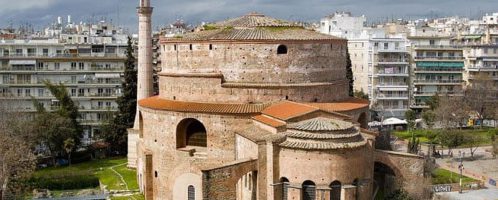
[[115, 133], [349, 73]]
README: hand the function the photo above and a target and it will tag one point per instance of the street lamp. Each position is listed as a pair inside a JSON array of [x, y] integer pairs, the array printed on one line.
[[460, 167]]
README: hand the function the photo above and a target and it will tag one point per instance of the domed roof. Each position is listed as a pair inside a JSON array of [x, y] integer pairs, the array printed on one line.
[[322, 124], [253, 26], [323, 134]]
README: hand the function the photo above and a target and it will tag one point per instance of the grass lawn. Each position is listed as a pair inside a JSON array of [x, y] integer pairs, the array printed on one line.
[[133, 197], [101, 169], [422, 135], [442, 176]]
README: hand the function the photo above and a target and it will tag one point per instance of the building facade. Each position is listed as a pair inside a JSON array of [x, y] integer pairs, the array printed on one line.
[[90, 68], [438, 69]]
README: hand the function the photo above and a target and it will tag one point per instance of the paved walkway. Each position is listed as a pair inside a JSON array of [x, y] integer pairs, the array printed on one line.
[[484, 194]]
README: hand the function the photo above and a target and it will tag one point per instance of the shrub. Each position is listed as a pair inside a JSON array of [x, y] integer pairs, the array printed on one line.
[[71, 182]]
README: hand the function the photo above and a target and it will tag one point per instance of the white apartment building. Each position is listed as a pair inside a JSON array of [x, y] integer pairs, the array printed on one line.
[[90, 68], [380, 62], [343, 24]]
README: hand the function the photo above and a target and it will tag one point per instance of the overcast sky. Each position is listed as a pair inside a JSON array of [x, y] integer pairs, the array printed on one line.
[[42, 12]]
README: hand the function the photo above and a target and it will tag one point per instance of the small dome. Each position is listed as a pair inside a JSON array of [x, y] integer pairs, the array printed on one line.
[[323, 134], [322, 124]]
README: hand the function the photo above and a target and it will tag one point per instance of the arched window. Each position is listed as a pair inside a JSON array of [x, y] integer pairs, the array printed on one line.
[[282, 49], [191, 132], [191, 192], [335, 192], [285, 187], [308, 190]]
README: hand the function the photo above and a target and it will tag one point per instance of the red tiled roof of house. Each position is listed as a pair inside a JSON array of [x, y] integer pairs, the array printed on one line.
[[346, 105], [287, 109], [268, 121], [182, 106]]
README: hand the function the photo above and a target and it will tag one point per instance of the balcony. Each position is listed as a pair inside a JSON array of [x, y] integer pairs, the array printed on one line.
[[64, 55], [392, 96], [391, 73], [484, 68], [438, 47], [391, 61], [392, 84], [426, 70], [437, 82], [456, 58], [432, 93]]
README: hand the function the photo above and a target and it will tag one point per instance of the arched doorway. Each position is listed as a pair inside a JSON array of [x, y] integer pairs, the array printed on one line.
[[308, 190], [335, 190], [191, 132], [384, 180]]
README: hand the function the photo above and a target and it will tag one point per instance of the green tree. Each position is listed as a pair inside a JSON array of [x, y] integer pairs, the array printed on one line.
[[360, 94], [450, 138], [399, 194], [68, 147], [54, 128], [433, 102], [494, 144], [414, 143], [349, 74], [115, 132], [429, 118]]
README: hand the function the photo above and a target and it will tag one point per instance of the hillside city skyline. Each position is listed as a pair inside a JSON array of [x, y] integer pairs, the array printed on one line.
[[42, 13]]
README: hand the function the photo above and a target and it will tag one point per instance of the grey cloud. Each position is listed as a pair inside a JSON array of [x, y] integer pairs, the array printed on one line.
[[195, 11]]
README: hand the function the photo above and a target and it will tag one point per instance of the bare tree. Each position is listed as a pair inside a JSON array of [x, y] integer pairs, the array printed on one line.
[[480, 97], [16, 158]]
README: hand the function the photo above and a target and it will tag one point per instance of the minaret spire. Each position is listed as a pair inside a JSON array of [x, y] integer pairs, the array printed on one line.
[[145, 80]]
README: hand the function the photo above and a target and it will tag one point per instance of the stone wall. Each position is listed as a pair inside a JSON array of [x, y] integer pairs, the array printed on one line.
[[220, 183], [254, 72], [408, 169], [324, 167], [170, 162], [206, 89], [259, 62]]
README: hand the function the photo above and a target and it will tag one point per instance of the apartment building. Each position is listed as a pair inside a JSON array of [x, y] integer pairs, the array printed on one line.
[[91, 68], [438, 68]]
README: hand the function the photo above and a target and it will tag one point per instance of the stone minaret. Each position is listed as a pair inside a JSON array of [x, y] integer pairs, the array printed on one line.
[[144, 85]]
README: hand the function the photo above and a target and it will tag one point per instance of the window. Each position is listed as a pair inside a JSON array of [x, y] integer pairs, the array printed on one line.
[[308, 190], [27, 92], [73, 92], [45, 52], [57, 66], [81, 66], [432, 42], [73, 66], [386, 45], [81, 92], [40, 66], [41, 92], [282, 49], [191, 192], [18, 52], [210, 47], [191, 132], [190, 47], [335, 192]]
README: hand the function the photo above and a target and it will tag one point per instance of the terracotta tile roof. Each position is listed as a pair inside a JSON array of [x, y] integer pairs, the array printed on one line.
[[252, 27], [287, 109], [182, 106], [268, 121], [321, 124], [347, 105]]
